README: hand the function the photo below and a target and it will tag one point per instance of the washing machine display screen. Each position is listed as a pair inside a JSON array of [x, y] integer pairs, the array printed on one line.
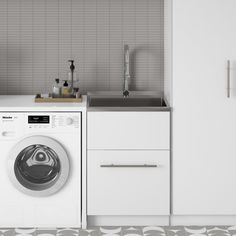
[[38, 119], [37, 167]]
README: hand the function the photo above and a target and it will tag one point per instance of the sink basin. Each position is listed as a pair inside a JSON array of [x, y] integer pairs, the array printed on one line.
[[126, 102], [136, 100]]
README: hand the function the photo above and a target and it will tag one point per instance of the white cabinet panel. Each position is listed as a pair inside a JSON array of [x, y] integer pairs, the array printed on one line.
[[204, 119], [128, 190], [128, 130]]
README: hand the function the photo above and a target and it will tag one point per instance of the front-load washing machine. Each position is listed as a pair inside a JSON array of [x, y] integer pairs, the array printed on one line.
[[40, 169]]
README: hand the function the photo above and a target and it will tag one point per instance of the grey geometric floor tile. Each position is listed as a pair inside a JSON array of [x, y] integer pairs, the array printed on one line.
[[90, 231], [195, 230], [217, 231], [7, 232], [232, 230], [175, 231], [67, 232], [25, 231], [132, 231], [124, 231], [110, 230], [46, 232], [153, 231]]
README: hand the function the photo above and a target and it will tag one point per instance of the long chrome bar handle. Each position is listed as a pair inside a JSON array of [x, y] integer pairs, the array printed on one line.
[[228, 78], [128, 166]]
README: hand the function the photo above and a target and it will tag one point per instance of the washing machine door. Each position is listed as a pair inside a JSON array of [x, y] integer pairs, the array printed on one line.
[[38, 166]]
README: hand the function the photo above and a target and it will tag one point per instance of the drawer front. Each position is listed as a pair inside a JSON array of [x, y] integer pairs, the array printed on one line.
[[128, 183], [128, 130]]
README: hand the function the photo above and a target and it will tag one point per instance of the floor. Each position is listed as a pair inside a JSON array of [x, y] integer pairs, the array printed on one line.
[[124, 231]]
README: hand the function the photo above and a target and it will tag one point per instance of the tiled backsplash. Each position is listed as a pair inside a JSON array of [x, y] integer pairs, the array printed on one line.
[[37, 37]]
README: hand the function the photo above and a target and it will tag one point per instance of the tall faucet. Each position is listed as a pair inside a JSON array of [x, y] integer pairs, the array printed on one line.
[[72, 69], [126, 71]]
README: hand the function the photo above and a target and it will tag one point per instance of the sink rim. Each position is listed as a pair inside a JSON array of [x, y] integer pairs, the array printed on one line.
[[133, 94]]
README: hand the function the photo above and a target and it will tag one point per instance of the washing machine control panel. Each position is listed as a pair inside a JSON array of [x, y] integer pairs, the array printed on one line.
[[38, 119], [59, 121], [14, 125]]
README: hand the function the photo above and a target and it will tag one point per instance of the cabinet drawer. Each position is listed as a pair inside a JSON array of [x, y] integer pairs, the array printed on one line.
[[128, 130], [128, 183]]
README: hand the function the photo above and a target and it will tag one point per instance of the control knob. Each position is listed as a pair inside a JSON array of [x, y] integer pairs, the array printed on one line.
[[69, 121]]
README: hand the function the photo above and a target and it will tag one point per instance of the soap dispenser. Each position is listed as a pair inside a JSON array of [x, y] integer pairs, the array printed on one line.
[[65, 89]]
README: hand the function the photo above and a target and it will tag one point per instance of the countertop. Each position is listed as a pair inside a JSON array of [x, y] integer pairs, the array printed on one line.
[[26, 103]]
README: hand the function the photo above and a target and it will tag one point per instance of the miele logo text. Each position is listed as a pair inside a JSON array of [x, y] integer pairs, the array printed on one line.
[[7, 117]]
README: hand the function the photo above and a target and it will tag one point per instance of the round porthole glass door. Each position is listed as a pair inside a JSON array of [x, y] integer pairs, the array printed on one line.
[[38, 166]]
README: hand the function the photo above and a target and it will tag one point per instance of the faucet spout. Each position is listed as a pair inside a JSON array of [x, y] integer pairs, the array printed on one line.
[[126, 71]]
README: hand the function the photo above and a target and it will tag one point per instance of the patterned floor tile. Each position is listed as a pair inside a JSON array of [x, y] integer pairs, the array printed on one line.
[[46, 232], [110, 231], [67, 232], [153, 231], [232, 230], [124, 231], [132, 231], [217, 231], [90, 231], [25, 231], [7, 232], [175, 231], [195, 230]]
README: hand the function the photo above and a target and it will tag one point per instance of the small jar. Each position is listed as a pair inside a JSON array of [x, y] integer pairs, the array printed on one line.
[[76, 93], [56, 89]]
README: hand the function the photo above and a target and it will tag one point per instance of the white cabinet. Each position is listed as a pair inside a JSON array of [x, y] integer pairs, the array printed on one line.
[[204, 119], [128, 163], [128, 130], [128, 182]]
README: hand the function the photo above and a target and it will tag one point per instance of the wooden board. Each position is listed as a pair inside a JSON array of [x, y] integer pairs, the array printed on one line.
[[53, 100]]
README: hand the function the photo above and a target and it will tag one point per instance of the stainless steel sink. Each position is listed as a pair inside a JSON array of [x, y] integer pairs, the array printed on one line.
[[136, 101], [126, 102]]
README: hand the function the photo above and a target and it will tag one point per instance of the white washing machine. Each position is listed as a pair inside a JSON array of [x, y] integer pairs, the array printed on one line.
[[40, 169]]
